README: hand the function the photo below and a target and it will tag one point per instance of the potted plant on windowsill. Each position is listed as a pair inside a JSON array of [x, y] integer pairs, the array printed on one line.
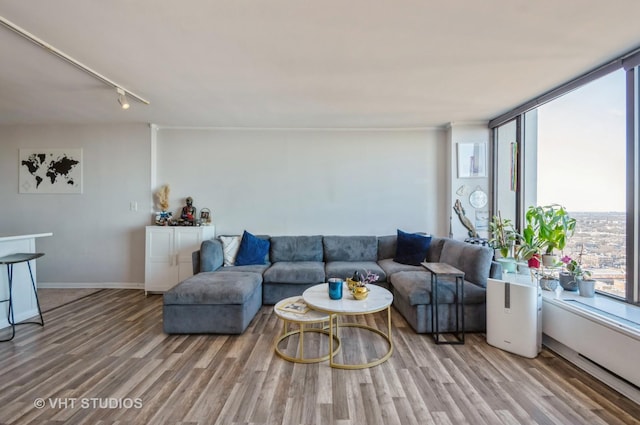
[[503, 240], [548, 280], [554, 227], [530, 245], [580, 278]]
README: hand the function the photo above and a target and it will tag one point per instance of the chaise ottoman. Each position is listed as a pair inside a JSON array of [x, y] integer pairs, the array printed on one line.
[[212, 302]]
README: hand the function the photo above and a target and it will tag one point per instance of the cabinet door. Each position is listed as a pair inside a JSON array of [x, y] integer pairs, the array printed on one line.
[[187, 240], [160, 259]]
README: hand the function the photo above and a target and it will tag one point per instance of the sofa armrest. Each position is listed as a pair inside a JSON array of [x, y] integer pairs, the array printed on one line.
[[495, 272], [211, 256], [195, 261]]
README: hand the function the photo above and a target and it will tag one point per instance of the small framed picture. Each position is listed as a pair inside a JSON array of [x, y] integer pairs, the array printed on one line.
[[472, 160]]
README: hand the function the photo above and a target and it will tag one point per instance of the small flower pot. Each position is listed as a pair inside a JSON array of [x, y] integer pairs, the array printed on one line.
[[548, 260], [587, 288], [509, 264], [534, 262], [568, 282], [548, 284]]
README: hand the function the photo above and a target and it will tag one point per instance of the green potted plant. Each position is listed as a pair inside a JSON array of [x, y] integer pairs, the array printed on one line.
[[580, 278], [553, 226], [530, 246], [503, 240]]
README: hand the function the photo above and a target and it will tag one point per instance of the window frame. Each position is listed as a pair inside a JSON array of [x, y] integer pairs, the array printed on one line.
[[631, 65]]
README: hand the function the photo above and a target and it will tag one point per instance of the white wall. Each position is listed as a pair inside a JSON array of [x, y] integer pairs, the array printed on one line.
[[467, 133], [265, 181], [283, 182], [97, 240]]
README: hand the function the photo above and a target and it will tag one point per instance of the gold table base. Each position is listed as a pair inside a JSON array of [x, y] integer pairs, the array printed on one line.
[[387, 337], [300, 331]]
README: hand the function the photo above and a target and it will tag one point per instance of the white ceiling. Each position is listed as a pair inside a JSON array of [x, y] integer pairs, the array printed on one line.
[[302, 63]]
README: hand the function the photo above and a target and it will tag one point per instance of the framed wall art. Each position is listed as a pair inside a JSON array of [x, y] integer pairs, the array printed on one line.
[[472, 160], [50, 171]]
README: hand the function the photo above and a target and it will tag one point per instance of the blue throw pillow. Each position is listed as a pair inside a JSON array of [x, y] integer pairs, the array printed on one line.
[[412, 248], [253, 250]]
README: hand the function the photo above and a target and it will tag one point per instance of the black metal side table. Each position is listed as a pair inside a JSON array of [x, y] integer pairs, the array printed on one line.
[[439, 270], [10, 260]]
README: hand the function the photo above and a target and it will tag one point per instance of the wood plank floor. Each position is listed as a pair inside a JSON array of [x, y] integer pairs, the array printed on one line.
[[105, 360]]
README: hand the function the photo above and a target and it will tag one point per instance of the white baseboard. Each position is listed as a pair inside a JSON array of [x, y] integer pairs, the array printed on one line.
[[91, 285]]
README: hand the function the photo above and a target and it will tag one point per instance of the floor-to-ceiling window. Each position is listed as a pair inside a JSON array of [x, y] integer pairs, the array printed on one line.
[[577, 148]]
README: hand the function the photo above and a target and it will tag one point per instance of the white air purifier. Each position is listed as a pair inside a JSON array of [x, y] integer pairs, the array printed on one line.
[[514, 315]]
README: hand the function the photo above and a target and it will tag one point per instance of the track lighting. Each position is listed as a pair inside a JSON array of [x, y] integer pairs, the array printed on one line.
[[122, 92], [122, 98]]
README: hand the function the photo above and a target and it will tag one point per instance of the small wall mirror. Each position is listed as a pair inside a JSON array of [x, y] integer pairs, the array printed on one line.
[[478, 198]]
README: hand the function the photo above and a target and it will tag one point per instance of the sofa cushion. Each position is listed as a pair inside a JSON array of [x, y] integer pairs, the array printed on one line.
[[415, 286], [230, 247], [387, 246], [435, 249], [390, 267], [303, 272], [296, 248], [345, 269], [473, 260], [350, 248], [253, 250], [474, 294], [253, 268], [411, 248], [214, 288]]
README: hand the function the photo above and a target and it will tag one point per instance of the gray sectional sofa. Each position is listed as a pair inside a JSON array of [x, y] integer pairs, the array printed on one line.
[[224, 299]]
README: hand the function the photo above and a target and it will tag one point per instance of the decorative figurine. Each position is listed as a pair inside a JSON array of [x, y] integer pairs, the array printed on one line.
[[459, 209], [205, 217], [188, 211], [163, 218]]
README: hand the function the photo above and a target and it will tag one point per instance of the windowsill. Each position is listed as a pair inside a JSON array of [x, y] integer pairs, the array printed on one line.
[[618, 315]]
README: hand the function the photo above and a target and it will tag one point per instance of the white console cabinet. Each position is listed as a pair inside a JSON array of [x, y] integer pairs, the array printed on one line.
[[168, 252]]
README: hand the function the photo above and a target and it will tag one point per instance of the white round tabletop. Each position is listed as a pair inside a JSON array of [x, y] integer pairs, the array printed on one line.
[[317, 297], [285, 309]]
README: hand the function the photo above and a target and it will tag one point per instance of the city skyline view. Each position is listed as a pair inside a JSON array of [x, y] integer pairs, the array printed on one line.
[[581, 165]]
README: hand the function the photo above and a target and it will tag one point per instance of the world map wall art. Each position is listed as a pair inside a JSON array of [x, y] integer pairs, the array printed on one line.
[[50, 171]]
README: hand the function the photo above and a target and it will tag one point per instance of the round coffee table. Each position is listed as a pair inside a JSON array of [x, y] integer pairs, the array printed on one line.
[[284, 310], [379, 299]]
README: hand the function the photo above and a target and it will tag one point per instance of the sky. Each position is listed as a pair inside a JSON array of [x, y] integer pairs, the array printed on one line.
[[582, 147]]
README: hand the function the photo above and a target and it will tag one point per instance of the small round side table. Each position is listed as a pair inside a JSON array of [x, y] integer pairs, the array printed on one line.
[[303, 318]]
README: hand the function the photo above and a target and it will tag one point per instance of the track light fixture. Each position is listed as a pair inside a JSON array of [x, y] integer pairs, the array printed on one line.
[[122, 98], [122, 92]]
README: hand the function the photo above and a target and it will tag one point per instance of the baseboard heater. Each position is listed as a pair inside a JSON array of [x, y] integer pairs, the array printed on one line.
[[594, 343]]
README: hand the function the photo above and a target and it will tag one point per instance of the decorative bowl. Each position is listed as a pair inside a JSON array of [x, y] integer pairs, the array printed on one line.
[[360, 292]]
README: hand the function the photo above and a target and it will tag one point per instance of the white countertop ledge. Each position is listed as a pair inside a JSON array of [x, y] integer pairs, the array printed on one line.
[[19, 237]]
